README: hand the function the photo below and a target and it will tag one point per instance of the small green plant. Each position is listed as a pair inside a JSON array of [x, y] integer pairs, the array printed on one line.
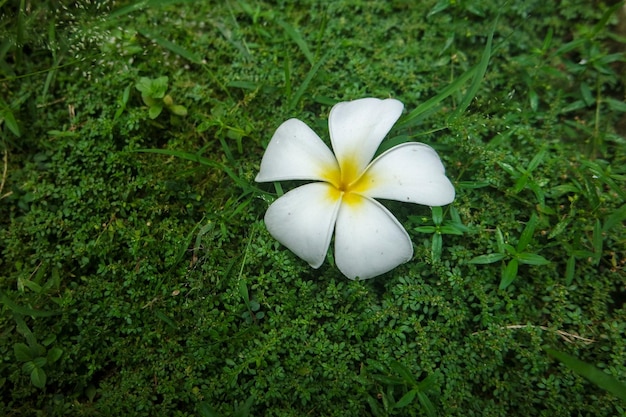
[[442, 227], [153, 94], [35, 356], [515, 255], [524, 179], [400, 376], [8, 119]]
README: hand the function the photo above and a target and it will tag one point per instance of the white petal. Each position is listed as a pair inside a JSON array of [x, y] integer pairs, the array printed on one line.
[[409, 172], [358, 127], [295, 152], [369, 241], [303, 220]]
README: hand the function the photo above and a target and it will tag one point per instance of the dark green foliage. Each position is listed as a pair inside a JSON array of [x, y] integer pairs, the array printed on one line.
[[136, 274]]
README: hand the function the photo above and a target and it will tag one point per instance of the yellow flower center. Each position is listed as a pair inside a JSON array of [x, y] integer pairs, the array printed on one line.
[[347, 182]]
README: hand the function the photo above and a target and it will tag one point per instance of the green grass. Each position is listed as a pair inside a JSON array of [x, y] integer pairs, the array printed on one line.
[[136, 274]]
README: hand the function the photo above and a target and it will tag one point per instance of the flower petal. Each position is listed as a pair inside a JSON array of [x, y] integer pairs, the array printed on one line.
[[409, 172], [358, 127], [303, 220], [295, 152], [369, 241]]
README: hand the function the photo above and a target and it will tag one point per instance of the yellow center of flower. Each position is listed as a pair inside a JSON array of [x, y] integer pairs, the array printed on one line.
[[347, 182]]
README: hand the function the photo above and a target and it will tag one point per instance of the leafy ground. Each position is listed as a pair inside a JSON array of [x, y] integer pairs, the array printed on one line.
[[144, 283]]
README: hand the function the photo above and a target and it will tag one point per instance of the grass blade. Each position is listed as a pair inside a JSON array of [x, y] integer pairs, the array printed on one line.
[[171, 46], [593, 374], [481, 69], [528, 233], [305, 84], [455, 85], [298, 39], [247, 187]]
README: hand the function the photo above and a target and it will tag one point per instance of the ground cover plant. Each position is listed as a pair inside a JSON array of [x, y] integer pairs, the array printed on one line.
[[137, 276]]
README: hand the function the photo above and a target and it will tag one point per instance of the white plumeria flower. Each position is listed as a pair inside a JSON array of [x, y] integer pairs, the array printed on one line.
[[369, 241]]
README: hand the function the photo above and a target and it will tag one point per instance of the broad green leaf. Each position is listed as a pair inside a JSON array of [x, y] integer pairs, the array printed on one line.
[[531, 259], [509, 249], [509, 169], [406, 399], [40, 362], [25, 311], [487, 259], [537, 159], [509, 273], [437, 246], [437, 213], [22, 352], [527, 233], [54, 354], [586, 94], [404, 372], [520, 184], [7, 115], [178, 110], [38, 377], [453, 229], [570, 269], [616, 105], [427, 383], [593, 374], [427, 405], [560, 227], [155, 111], [425, 229], [243, 292], [500, 240]]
